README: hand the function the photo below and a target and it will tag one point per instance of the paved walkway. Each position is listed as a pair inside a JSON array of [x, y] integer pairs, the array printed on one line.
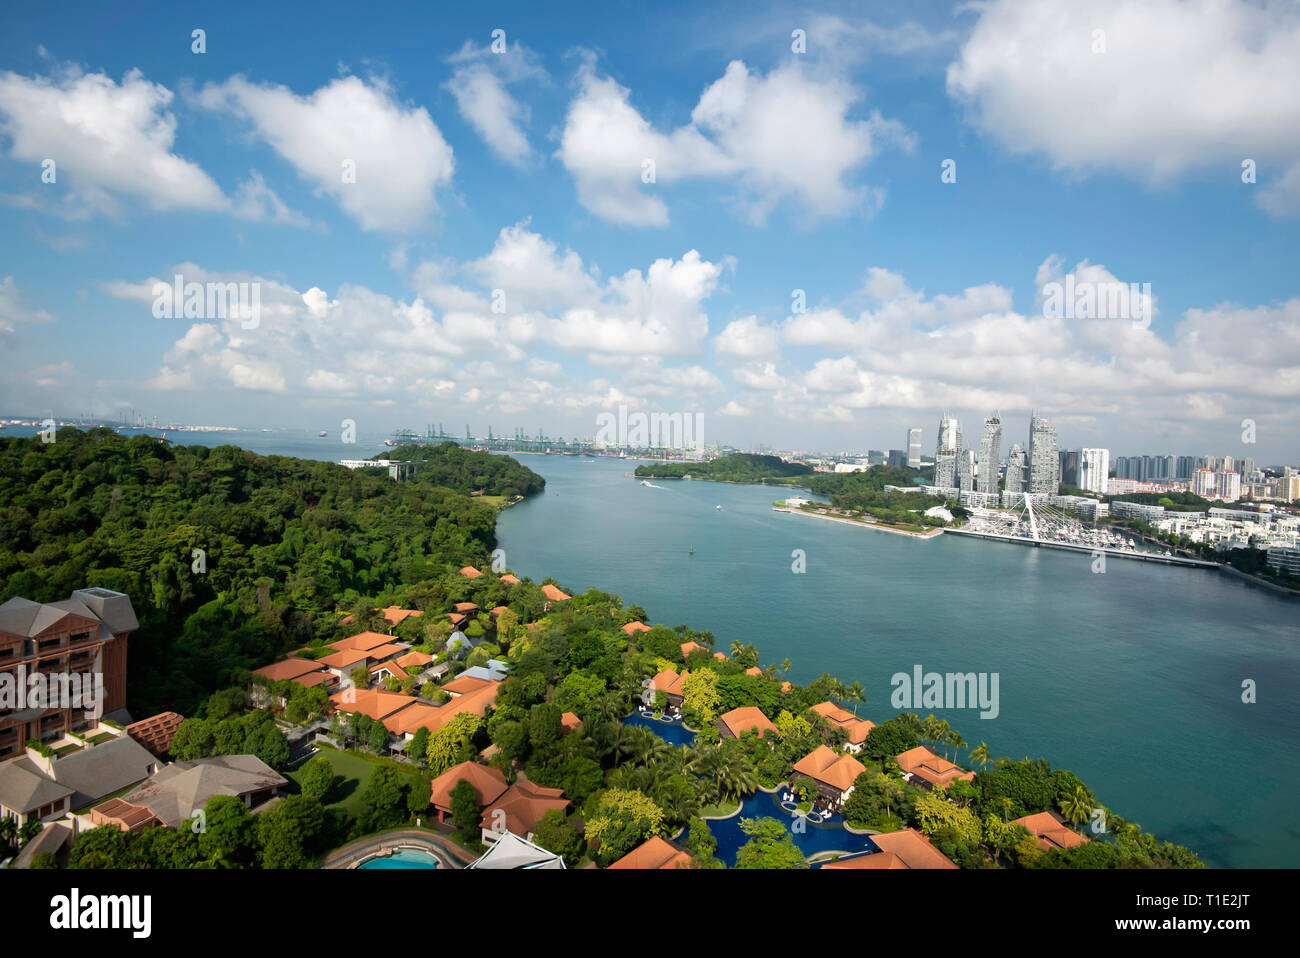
[[448, 853]]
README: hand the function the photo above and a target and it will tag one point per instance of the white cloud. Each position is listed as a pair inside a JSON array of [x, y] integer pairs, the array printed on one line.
[[783, 136], [398, 154], [479, 84], [14, 310], [108, 140], [746, 339], [1183, 85]]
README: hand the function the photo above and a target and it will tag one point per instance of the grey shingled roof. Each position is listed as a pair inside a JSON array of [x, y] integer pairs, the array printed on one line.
[[24, 787], [24, 617], [104, 769], [181, 787]]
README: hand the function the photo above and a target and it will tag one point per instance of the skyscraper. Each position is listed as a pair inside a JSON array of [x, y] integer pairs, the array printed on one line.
[[1044, 465], [966, 470], [945, 455], [1015, 478], [1069, 471], [914, 447], [1094, 467], [990, 441]]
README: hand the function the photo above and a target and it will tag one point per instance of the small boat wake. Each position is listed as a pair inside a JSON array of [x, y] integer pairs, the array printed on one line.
[[651, 485]]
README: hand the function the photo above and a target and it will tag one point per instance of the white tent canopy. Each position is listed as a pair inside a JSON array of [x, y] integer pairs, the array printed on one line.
[[511, 851]]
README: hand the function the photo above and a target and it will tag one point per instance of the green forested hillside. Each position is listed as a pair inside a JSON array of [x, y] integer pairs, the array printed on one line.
[[285, 541], [464, 470], [738, 467]]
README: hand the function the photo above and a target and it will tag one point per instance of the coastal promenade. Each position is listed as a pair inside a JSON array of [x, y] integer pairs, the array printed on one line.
[[1090, 550], [862, 525]]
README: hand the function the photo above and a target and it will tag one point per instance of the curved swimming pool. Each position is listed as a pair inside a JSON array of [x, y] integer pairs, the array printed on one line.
[[403, 858], [829, 836]]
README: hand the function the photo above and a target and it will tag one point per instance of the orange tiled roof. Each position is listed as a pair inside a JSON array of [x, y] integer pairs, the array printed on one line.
[[313, 679], [470, 572], [923, 763], [689, 647], [523, 803], [554, 594], [361, 642], [466, 607], [822, 764], [654, 853], [1050, 830], [345, 659], [676, 687], [465, 683], [753, 670], [509, 579], [786, 686], [719, 656], [156, 732], [906, 848], [392, 668], [413, 660], [395, 615], [569, 721], [663, 680], [434, 717], [857, 728], [288, 669], [499, 609], [632, 628], [375, 703], [489, 784], [745, 718]]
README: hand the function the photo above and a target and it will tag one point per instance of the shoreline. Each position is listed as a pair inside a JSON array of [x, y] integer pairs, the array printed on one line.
[[860, 524]]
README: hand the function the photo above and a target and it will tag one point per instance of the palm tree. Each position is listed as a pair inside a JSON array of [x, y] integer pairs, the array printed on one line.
[[786, 665], [1077, 807], [736, 649], [954, 739], [856, 695], [979, 755], [1007, 806]]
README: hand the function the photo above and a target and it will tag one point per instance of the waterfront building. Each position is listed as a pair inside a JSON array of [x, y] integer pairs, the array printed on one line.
[[1094, 468], [1044, 466], [966, 470], [1069, 472], [914, 447], [1017, 465], [945, 455], [990, 441], [1285, 558], [1136, 510]]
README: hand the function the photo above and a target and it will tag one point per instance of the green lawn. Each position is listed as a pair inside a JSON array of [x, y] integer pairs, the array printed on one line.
[[351, 775], [719, 811]]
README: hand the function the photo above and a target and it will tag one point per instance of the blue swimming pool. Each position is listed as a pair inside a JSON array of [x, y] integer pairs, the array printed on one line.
[[826, 837], [672, 732], [403, 858]]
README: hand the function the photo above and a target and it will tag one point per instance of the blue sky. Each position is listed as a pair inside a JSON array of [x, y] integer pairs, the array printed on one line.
[[522, 172]]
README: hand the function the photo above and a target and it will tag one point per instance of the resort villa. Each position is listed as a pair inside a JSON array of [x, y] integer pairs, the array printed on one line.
[[519, 808], [857, 729], [922, 767], [745, 719], [834, 774], [489, 785], [173, 795], [906, 848], [1051, 831], [656, 853]]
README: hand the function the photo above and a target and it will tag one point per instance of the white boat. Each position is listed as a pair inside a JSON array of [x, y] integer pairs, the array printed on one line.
[[322, 433], [719, 508]]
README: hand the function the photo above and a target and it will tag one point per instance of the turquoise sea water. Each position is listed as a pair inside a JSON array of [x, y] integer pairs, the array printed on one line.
[[1131, 679]]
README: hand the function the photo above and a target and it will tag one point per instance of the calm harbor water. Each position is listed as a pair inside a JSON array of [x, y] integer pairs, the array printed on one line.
[[1131, 679]]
